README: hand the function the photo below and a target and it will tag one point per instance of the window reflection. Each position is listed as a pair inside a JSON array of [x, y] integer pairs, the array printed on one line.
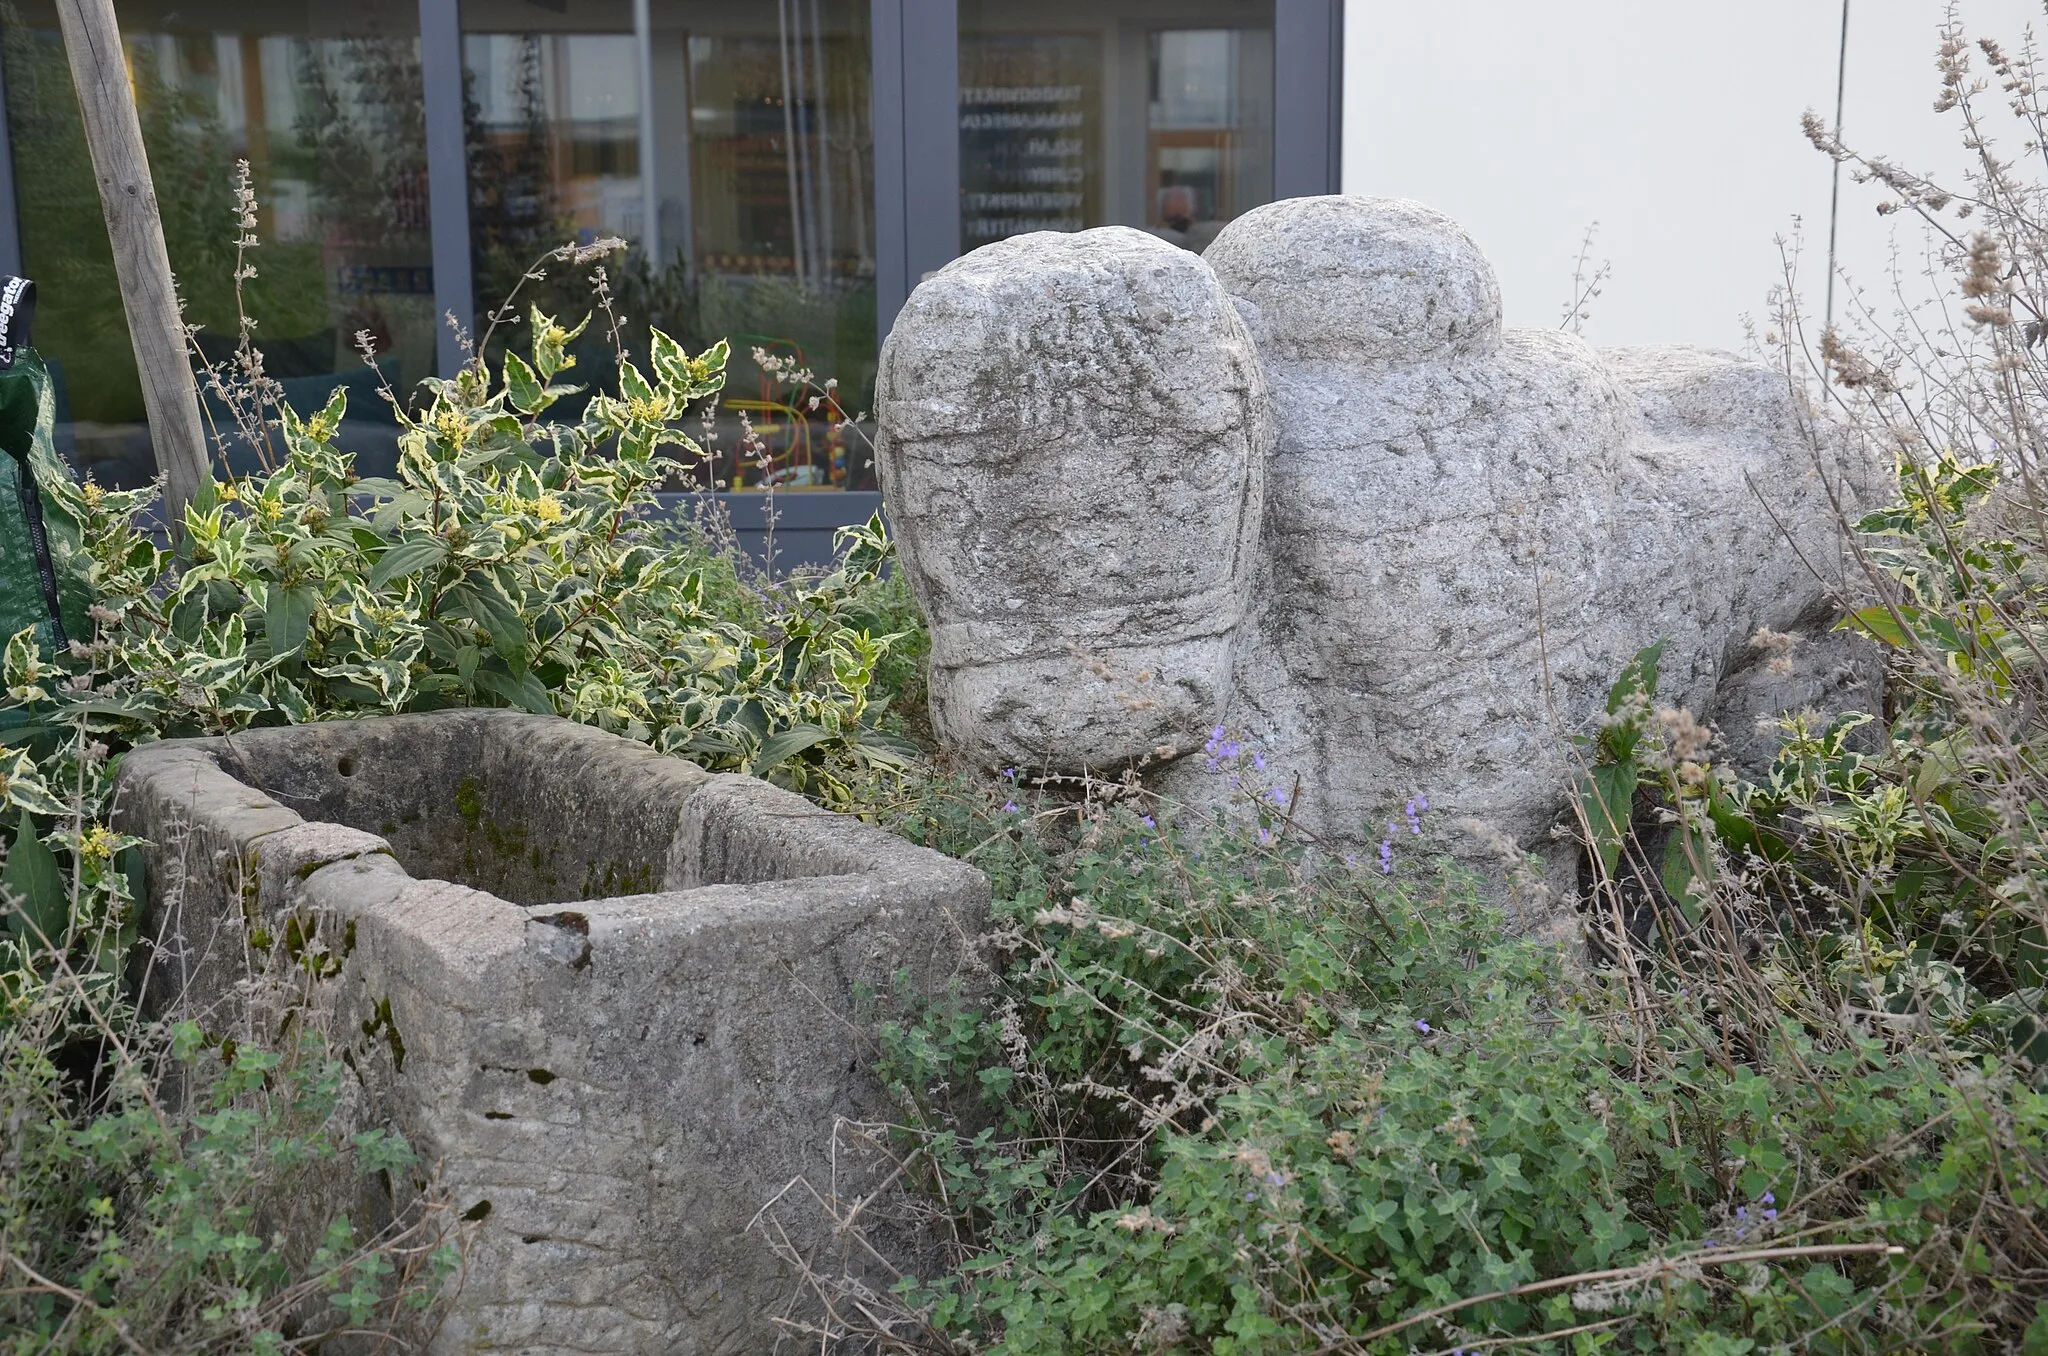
[[732, 145], [1030, 138], [325, 104], [1136, 112], [554, 147]]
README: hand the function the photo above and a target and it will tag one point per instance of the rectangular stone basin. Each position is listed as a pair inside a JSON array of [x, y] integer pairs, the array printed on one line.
[[619, 1001]]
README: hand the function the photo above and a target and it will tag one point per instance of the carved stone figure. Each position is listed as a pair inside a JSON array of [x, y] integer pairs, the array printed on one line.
[[1077, 426], [1350, 516]]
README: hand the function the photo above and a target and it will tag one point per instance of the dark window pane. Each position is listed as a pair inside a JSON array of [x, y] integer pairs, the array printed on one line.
[[1144, 113], [324, 102], [746, 127]]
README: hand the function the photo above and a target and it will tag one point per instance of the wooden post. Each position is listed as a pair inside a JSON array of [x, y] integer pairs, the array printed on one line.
[[113, 133]]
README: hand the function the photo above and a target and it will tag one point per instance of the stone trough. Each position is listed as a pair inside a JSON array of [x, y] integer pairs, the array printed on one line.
[[617, 1000]]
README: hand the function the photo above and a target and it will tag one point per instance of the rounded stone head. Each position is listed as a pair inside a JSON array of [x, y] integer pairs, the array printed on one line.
[[1077, 427], [1349, 279]]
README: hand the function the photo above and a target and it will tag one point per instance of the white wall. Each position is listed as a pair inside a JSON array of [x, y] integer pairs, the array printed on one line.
[[1676, 126]]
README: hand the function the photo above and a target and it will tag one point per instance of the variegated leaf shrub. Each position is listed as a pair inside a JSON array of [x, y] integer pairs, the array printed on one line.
[[515, 560]]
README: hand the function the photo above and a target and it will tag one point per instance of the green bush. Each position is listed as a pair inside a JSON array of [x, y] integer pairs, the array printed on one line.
[[513, 562], [1902, 851]]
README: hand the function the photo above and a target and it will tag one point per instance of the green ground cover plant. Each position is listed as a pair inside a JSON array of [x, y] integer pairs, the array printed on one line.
[[1227, 1092]]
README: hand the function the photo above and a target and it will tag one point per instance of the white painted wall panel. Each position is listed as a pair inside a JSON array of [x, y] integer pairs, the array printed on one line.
[[1676, 126]]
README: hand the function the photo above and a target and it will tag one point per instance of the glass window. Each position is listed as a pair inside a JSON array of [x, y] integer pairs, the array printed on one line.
[[747, 129], [1143, 113], [324, 102]]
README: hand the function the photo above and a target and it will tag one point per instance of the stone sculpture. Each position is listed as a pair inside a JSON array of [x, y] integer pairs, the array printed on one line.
[[1306, 487]]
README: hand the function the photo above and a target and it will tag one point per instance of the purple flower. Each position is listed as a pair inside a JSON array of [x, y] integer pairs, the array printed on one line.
[[1279, 795], [1265, 834], [1009, 774], [1413, 810], [1767, 1199], [1258, 760], [1424, 1027], [1146, 820], [1010, 807], [1386, 857], [1276, 1178]]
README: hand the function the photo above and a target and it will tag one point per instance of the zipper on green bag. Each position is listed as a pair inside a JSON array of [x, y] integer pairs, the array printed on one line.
[[39, 544]]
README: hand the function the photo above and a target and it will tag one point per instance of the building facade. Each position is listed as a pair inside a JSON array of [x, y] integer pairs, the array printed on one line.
[[786, 170]]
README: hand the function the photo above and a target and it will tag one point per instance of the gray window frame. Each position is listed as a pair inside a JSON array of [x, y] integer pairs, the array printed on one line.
[[915, 82], [917, 148]]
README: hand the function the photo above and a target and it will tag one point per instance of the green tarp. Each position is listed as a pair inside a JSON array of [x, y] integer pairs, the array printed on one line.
[[42, 556]]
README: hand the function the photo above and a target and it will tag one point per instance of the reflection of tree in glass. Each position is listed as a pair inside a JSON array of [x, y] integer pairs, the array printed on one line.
[[191, 159], [361, 145], [63, 234], [515, 208], [362, 131], [356, 147]]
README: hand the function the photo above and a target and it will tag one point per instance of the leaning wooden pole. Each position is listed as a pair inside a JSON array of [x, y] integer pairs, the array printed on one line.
[[113, 132]]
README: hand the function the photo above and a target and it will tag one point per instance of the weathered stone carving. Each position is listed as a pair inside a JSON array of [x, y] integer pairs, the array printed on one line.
[[610, 995], [1463, 531], [1076, 433]]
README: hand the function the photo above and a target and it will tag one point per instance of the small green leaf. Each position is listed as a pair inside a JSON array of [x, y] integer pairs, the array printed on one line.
[[23, 658], [2034, 1342], [1685, 851], [1638, 678], [671, 364], [407, 558], [779, 748], [525, 692], [524, 387], [287, 616], [488, 606], [37, 907], [1606, 795], [1635, 687], [23, 788], [188, 615], [632, 385], [1879, 623]]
